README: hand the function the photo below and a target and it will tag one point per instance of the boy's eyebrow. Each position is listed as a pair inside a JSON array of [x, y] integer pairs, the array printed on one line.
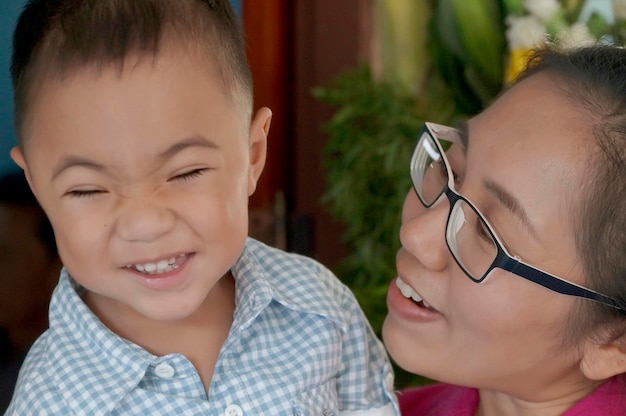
[[193, 141], [510, 202], [72, 161]]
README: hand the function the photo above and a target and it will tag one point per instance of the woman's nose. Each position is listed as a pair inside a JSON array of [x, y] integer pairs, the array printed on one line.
[[423, 231], [144, 220]]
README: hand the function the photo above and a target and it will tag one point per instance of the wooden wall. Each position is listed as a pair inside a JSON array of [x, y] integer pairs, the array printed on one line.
[[294, 46]]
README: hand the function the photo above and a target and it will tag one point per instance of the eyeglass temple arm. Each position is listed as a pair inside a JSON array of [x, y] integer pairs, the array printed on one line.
[[557, 285]]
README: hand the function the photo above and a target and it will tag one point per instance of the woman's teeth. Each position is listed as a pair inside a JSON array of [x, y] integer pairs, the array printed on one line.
[[162, 266], [409, 293]]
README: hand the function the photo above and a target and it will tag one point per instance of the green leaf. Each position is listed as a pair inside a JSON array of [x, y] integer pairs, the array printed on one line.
[[480, 28], [598, 27], [514, 7]]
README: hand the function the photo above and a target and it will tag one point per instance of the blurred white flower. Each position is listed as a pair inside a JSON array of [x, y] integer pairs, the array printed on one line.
[[524, 32], [600, 8], [563, 22], [619, 7], [574, 36], [545, 10]]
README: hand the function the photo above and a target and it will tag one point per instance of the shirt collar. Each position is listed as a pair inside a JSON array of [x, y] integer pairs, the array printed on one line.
[[264, 274], [83, 348]]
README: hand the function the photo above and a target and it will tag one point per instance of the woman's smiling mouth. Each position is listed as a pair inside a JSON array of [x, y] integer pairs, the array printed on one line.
[[409, 293]]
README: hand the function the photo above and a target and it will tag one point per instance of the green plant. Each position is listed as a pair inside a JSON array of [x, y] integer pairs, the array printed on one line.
[[466, 45], [371, 136]]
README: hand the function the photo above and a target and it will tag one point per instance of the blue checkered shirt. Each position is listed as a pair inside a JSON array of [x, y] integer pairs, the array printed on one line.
[[299, 345]]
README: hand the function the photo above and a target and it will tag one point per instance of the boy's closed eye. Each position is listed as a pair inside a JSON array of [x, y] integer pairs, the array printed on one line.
[[85, 193], [186, 176], [182, 177]]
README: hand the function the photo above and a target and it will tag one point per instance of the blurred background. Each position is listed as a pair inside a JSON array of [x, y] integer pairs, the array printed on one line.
[[350, 83]]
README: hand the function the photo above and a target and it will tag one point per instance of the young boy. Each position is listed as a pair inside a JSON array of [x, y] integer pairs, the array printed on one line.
[[136, 136]]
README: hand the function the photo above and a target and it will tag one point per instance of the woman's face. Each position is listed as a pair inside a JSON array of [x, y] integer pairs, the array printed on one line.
[[523, 167]]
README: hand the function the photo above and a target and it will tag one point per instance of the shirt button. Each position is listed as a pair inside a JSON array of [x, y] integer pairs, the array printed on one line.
[[233, 410], [164, 370]]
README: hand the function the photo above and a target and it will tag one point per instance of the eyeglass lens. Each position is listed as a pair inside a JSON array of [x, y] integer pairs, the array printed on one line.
[[467, 235], [428, 170], [469, 240]]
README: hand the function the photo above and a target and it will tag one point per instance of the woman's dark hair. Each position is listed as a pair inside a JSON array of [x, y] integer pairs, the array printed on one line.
[[594, 78]]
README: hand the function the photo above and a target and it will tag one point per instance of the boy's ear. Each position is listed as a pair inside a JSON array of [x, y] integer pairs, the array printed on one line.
[[601, 361], [259, 129], [18, 157]]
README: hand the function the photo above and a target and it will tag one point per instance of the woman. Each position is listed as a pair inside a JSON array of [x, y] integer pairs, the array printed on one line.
[[511, 287]]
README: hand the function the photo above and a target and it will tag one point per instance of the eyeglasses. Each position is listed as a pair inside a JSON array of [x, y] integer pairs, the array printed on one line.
[[470, 238]]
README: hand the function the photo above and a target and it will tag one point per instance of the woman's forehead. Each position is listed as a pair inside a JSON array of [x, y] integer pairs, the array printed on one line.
[[536, 114]]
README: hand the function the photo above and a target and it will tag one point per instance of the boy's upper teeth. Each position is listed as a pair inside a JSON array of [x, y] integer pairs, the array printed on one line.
[[156, 267], [408, 292]]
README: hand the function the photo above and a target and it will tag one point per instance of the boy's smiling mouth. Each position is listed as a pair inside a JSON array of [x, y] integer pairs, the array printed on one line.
[[161, 266]]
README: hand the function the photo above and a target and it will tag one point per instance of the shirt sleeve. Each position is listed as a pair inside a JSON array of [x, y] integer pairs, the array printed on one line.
[[365, 381]]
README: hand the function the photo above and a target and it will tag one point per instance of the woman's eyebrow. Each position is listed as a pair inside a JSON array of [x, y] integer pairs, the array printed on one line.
[[510, 202]]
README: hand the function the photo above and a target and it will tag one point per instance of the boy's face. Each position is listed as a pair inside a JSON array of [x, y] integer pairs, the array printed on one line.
[[145, 176]]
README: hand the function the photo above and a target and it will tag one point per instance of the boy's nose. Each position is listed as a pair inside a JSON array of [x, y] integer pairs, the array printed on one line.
[[143, 220], [423, 231]]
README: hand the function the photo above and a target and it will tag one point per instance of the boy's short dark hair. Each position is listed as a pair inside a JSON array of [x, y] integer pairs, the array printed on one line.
[[54, 37]]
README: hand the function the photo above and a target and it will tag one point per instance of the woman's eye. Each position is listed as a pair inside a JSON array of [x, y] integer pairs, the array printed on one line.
[[441, 167], [188, 175], [457, 178], [483, 232]]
